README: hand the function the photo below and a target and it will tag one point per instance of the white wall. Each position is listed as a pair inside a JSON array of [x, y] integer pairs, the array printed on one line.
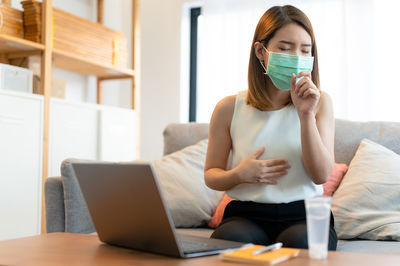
[[160, 95], [160, 79]]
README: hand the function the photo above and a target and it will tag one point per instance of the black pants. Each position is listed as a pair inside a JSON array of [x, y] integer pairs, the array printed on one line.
[[263, 224]]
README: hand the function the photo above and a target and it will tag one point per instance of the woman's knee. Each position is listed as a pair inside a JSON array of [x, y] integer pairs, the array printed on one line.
[[241, 230], [294, 236]]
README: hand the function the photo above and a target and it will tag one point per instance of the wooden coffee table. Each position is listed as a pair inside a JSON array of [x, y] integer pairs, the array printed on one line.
[[79, 249]]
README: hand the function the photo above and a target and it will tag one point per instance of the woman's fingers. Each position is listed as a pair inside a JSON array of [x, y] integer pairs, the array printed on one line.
[[269, 174], [293, 82], [277, 168], [271, 170], [311, 92], [304, 74], [302, 90], [275, 175], [266, 181], [304, 87], [258, 153], [273, 162], [271, 178], [307, 93], [303, 82], [270, 181], [299, 84]]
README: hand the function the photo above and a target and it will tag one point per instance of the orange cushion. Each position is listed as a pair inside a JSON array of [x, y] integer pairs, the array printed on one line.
[[219, 212], [330, 187]]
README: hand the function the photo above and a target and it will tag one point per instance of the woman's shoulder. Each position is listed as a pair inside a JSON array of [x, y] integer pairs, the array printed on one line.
[[228, 102], [226, 105], [223, 111]]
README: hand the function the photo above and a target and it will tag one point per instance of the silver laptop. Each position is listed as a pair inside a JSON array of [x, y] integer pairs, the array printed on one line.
[[128, 210]]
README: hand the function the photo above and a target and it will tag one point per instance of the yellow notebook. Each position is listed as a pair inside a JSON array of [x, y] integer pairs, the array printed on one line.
[[268, 258]]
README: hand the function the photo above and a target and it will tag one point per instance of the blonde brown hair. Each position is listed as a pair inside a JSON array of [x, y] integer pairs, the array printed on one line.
[[273, 19]]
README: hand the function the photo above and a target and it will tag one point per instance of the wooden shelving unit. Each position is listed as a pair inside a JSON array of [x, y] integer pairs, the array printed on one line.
[[74, 63], [11, 44], [12, 47]]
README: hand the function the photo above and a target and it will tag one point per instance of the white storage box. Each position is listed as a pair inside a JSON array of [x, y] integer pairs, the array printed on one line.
[[15, 78]]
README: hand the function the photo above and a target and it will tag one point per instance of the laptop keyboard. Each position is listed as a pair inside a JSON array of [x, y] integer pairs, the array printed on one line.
[[190, 247]]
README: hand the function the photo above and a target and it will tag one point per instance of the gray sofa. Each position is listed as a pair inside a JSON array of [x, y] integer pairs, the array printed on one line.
[[66, 210]]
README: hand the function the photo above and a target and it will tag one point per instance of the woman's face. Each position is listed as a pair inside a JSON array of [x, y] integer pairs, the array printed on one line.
[[290, 39]]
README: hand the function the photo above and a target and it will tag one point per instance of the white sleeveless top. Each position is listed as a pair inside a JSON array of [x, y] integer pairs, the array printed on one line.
[[279, 132]]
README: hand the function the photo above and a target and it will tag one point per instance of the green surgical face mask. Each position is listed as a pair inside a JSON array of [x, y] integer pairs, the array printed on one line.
[[280, 68]]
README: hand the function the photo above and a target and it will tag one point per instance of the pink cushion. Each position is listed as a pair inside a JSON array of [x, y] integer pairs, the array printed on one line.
[[330, 187], [335, 178]]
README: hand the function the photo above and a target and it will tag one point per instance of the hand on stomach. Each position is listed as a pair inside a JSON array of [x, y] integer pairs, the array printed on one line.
[[253, 170]]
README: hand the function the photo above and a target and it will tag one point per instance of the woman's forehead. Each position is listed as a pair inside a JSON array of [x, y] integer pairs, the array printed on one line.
[[292, 33]]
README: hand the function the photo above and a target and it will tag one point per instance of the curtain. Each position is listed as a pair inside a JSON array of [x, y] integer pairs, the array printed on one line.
[[357, 44]]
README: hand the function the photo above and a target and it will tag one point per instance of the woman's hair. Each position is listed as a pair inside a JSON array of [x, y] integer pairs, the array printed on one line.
[[273, 19]]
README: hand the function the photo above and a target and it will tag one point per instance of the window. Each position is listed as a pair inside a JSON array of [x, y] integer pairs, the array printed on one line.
[[356, 52], [194, 19]]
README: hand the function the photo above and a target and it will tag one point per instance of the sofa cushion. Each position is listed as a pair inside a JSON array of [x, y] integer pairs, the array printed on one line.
[[348, 135], [366, 204], [181, 177], [179, 136], [369, 246]]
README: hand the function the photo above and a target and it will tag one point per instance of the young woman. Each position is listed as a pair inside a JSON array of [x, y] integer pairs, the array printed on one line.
[[280, 133]]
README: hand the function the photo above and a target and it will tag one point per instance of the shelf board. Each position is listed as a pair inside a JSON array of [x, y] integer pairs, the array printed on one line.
[[78, 64], [11, 44], [64, 60]]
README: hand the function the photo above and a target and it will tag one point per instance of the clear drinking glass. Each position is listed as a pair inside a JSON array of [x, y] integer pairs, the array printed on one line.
[[318, 211]]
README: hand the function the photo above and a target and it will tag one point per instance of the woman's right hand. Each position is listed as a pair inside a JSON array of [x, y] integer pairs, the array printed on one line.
[[253, 170]]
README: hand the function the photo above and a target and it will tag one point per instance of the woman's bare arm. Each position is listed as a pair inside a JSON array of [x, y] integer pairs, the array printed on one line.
[[219, 146], [317, 139]]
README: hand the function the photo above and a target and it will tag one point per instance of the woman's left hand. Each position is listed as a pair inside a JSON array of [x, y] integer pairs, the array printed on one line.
[[305, 95]]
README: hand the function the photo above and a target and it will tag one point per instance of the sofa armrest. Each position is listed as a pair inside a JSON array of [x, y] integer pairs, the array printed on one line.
[[54, 202]]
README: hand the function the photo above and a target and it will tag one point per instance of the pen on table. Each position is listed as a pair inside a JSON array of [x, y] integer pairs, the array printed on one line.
[[268, 248]]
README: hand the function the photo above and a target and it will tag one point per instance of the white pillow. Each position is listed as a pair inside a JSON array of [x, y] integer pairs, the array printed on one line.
[[367, 203], [181, 176]]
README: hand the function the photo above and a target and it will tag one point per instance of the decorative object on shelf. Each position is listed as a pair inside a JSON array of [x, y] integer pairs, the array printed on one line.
[[33, 63], [58, 87], [11, 21], [78, 36], [32, 20], [15, 78]]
